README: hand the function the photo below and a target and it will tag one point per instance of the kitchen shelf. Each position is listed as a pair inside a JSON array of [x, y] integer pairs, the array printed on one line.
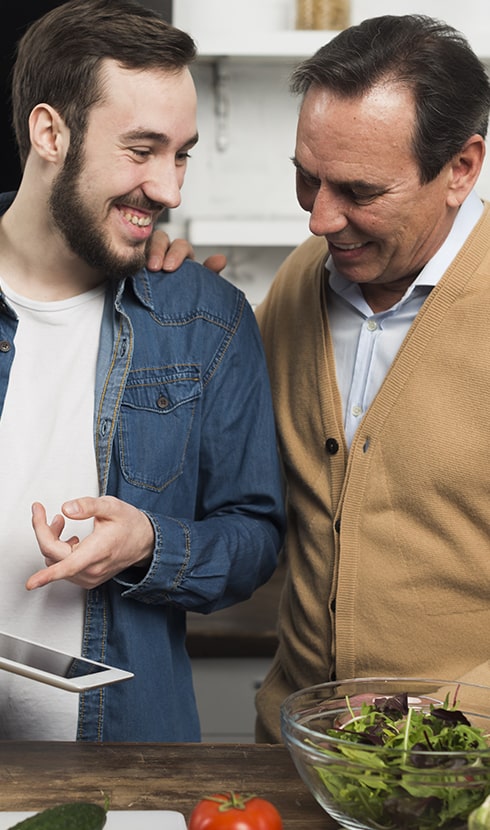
[[284, 232], [286, 45], [290, 45]]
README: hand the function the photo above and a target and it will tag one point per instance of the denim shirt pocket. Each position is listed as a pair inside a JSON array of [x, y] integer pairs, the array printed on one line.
[[157, 414]]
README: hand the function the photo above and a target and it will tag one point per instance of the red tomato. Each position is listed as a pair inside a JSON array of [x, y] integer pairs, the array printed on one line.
[[233, 811]]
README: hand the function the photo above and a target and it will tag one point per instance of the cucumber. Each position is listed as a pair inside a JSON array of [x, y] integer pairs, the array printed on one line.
[[76, 816]]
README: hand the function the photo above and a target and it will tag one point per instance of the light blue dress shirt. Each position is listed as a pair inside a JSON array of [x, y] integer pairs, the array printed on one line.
[[365, 343]]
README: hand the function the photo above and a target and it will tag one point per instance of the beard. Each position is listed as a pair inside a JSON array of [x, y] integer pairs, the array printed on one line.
[[81, 227]]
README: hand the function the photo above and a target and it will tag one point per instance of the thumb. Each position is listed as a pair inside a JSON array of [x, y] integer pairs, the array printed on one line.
[[79, 508]]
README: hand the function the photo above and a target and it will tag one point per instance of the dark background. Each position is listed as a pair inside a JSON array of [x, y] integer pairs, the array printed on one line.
[[21, 14]]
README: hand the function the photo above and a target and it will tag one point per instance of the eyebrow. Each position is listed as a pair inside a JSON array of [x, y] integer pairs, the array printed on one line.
[[302, 170], [353, 184], [296, 162], [159, 138]]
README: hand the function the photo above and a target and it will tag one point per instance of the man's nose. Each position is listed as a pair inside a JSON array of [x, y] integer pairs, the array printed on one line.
[[328, 214], [164, 185]]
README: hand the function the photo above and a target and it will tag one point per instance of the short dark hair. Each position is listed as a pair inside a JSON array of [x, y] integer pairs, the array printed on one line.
[[450, 85], [59, 57]]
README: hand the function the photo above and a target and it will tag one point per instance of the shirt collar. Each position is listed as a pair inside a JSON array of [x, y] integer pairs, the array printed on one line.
[[466, 218], [142, 287]]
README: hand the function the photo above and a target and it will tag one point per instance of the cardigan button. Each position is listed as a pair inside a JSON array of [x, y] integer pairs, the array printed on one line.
[[332, 445], [337, 526]]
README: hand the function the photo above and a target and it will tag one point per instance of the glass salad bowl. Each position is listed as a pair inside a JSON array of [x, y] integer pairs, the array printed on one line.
[[383, 753]]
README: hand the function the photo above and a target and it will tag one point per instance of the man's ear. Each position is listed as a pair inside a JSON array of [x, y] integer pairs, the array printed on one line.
[[465, 169], [50, 137]]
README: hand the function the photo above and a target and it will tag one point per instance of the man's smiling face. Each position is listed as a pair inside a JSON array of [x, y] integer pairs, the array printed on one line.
[[107, 198], [357, 176]]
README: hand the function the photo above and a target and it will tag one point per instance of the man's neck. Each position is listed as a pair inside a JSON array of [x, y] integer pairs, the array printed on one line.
[[383, 296], [36, 263]]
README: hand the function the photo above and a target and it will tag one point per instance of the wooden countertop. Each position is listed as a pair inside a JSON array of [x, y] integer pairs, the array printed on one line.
[[247, 629], [36, 775]]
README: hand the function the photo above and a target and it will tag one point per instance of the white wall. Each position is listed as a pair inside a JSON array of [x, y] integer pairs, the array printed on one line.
[[244, 170]]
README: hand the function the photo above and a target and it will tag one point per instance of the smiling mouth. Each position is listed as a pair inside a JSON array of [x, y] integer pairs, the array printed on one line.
[[341, 246], [134, 219]]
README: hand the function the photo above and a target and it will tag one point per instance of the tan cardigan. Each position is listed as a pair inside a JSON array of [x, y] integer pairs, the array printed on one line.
[[388, 546]]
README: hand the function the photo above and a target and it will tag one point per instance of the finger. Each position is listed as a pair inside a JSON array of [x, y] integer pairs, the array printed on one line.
[[38, 514], [57, 525], [179, 250], [51, 557], [215, 262], [52, 573], [68, 568], [158, 247], [104, 508], [83, 508], [46, 535]]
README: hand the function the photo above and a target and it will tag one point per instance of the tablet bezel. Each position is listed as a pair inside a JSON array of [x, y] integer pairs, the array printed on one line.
[[104, 675]]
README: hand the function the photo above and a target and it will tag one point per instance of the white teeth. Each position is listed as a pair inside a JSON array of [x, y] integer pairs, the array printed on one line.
[[348, 247], [142, 221]]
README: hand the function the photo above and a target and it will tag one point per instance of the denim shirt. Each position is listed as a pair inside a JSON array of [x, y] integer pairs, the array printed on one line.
[[183, 430]]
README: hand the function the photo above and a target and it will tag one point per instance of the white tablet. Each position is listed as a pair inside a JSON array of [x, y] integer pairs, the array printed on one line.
[[67, 671]]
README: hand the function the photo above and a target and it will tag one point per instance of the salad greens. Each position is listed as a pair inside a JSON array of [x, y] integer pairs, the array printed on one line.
[[479, 819], [387, 771]]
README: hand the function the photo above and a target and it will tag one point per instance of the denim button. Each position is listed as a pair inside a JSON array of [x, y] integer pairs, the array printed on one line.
[[5, 346], [162, 402]]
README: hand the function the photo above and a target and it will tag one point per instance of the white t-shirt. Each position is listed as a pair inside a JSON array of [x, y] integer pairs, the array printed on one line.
[[46, 455]]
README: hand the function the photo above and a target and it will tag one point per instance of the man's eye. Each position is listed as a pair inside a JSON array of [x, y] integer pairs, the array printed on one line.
[[362, 198], [183, 156], [140, 152], [304, 178], [308, 181]]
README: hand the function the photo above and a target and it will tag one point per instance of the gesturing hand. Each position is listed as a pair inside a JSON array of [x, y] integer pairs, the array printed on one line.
[[122, 536]]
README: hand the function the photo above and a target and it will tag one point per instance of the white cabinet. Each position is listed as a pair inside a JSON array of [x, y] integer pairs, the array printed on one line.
[[239, 193], [281, 46], [225, 691]]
